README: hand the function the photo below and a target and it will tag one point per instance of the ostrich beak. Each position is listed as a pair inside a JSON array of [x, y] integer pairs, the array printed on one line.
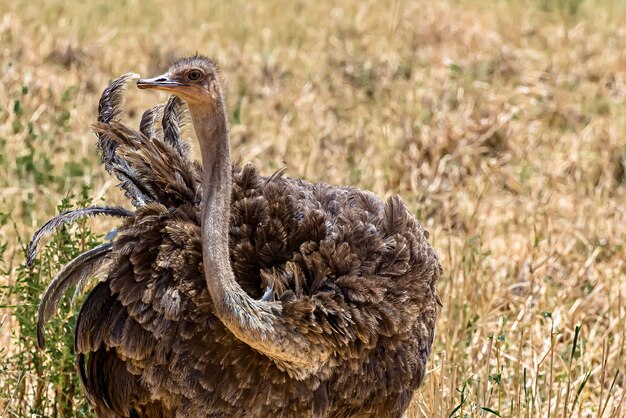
[[161, 82]]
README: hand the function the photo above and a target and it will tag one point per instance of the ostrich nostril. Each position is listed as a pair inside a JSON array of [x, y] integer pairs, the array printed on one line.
[[160, 80]]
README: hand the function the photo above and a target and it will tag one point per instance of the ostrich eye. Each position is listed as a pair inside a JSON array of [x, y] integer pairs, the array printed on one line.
[[194, 75]]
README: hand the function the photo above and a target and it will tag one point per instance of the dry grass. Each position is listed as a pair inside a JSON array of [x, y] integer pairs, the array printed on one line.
[[502, 124]]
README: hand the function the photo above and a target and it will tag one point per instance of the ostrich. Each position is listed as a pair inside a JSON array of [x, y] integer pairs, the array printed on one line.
[[228, 293]]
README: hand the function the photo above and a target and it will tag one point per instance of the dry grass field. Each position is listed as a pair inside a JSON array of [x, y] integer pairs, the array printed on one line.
[[501, 123]]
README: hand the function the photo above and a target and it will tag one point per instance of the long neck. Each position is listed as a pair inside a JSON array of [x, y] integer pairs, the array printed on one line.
[[212, 131], [259, 324]]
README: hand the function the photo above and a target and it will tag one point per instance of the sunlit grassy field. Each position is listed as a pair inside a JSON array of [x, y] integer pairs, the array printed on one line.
[[501, 123]]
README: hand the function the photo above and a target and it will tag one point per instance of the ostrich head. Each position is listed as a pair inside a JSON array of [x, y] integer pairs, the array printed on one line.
[[193, 79]]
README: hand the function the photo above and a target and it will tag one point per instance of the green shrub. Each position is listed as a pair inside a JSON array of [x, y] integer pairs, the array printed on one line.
[[44, 383]]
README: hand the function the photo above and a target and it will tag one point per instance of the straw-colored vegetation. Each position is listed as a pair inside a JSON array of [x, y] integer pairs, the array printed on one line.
[[501, 123]]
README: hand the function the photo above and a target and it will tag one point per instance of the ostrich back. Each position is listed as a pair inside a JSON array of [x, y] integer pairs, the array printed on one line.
[[352, 273]]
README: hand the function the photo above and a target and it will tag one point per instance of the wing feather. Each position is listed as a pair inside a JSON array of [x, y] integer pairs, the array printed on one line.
[[68, 217], [91, 262]]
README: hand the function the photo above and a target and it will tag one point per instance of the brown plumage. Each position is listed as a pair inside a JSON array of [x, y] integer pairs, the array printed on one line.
[[228, 293]]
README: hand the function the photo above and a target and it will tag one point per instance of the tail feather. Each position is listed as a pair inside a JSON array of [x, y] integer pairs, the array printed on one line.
[[109, 110], [173, 120], [134, 188], [148, 126], [65, 218], [163, 174], [89, 263]]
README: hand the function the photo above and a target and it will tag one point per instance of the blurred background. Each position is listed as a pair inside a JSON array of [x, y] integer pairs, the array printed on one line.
[[501, 123]]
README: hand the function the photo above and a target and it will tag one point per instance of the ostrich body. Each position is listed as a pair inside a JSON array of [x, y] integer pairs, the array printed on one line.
[[227, 293]]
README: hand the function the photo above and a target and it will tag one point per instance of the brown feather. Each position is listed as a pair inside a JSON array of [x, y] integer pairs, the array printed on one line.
[[89, 263], [66, 217]]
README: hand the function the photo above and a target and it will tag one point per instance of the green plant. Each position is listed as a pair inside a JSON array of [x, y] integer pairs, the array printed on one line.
[[35, 382]]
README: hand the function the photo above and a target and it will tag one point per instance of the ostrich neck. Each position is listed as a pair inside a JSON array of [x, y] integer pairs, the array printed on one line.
[[258, 324], [249, 320], [212, 132]]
